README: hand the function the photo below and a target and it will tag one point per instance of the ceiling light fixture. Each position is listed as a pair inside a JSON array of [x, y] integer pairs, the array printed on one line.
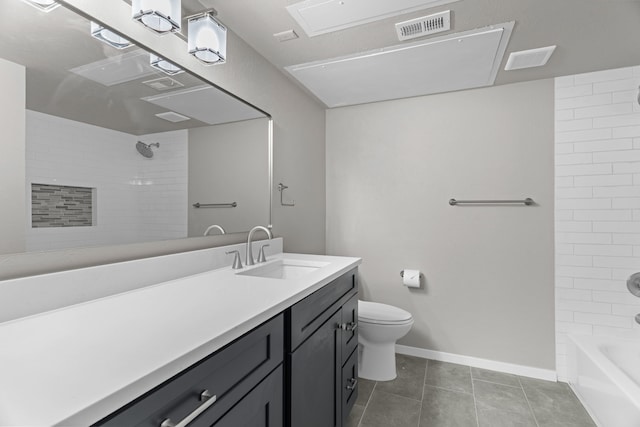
[[160, 16], [163, 65], [109, 37], [43, 5], [207, 38]]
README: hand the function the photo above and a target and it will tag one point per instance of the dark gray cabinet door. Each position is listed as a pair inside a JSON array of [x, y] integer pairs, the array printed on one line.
[[315, 378], [349, 384], [262, 407], [350, 331]]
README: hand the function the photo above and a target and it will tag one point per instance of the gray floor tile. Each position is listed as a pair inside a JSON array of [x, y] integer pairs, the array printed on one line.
[[365, 388], [410, 380], [389, 410], [554, 404], [496, 418], [449, 375], [354, 417], [494, 377], [496, 398], [446, 408]]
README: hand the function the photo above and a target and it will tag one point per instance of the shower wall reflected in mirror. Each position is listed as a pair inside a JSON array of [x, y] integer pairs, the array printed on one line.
[[116, 151]]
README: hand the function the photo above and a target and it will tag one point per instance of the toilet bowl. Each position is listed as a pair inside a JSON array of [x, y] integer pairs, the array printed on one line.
[[380, 326]]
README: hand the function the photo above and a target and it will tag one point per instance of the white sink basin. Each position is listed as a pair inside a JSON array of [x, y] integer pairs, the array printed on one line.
[[284, 269]]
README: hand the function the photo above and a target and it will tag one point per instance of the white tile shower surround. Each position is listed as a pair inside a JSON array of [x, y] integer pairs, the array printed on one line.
[[597, 205], [138, 199]]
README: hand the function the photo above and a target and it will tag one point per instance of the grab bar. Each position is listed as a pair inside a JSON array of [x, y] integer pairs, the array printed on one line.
[[528, 202], [215, 205]]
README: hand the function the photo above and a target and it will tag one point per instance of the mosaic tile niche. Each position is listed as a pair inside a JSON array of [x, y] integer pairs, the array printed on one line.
[[61, 206]]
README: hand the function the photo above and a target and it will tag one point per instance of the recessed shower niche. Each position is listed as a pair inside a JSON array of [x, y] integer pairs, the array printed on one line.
[[61, 206]]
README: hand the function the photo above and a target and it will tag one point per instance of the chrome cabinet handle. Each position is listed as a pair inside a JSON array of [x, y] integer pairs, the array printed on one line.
[[353, 382], [349, 327], [207, 400]]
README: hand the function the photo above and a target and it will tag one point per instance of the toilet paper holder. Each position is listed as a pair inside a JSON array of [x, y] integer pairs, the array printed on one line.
[[402, 274]]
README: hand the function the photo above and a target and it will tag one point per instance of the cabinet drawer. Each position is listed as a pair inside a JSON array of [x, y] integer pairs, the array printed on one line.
[[350, 331], [349, 385], [309, 314], [262, 407], [240, 365]]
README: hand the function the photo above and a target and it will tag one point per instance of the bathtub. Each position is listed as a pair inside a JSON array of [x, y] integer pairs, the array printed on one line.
[[605, 375]]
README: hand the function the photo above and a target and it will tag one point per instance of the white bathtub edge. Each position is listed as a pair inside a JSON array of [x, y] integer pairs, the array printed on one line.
[[476, 362], [587, 408]]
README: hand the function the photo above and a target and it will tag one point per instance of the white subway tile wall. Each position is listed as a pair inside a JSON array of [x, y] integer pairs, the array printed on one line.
[[597, 205], [137, 199]]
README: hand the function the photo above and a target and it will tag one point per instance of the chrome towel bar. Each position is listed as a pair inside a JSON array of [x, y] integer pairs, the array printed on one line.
[[215, 205], [528, 202]]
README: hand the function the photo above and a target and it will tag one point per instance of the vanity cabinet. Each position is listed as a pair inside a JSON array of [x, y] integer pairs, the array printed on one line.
[[322, 358], [241, 384], [298, 369]]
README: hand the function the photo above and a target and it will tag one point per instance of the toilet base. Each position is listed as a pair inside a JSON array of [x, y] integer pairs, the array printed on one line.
[[377, 361]]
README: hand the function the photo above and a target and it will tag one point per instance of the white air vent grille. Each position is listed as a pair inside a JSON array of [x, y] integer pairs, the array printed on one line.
[[163, 83], [424, 26], [172, 117], [529, 58]]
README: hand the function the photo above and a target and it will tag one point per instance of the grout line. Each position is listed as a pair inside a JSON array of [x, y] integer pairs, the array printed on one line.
[[528, 403], [424, 379], [366, 405], [493, 382], [473, 393]]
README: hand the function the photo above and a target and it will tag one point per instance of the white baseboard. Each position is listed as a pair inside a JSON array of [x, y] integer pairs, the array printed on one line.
[[476, 362]]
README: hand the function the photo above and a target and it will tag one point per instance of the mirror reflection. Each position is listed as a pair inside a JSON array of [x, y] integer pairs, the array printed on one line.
[[114, 150]]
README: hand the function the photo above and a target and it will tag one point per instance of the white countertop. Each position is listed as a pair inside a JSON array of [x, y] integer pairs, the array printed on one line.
[[75, 365]]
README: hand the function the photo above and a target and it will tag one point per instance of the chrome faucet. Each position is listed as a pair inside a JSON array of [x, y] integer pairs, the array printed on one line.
[[211, 227], [249, 258]]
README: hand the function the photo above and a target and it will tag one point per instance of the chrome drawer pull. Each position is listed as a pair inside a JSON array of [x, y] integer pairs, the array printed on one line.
[[353, 382], [349, 327], [207, 400]]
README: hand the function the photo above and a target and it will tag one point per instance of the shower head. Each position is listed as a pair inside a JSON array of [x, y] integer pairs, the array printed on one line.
[[145, 149]]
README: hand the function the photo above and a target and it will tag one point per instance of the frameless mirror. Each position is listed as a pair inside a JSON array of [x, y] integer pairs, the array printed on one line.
[[115, 151]]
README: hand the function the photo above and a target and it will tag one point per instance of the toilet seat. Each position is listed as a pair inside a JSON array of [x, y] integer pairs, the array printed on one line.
[[382, 314]]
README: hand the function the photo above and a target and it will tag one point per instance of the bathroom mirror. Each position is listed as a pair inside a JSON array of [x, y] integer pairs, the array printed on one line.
[[116, 151]]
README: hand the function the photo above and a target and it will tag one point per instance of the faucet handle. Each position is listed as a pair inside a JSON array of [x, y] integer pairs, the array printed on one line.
[[261, 256], [237, 263]]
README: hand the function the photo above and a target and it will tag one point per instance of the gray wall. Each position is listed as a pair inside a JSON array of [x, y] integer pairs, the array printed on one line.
[[299, 136], [13, 190], [391, 169], [227, 163]]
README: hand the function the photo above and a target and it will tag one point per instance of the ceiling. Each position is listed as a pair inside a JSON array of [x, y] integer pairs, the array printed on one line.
[[59, 42], [590, 35]]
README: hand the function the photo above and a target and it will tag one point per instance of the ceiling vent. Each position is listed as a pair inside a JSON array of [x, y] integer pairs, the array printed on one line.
[[420, 27], [325, 16], [529, 58], [286, 35], [172, 117], [163, 83]]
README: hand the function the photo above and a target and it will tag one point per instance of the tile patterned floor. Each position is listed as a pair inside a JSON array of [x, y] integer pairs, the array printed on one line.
[[428, 393]]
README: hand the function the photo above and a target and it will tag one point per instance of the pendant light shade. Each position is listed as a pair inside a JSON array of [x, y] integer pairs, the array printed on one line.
[[43, 5], [161, 16], [109, 37], [163, 65], [207, 39]]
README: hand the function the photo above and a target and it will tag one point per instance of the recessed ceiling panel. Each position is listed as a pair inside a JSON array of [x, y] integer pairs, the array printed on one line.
[[324, 16], [117, 69], [454, 62], [205, 103]]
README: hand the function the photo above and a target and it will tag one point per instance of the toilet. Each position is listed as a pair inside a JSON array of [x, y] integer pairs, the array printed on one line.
[[380, 326]]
